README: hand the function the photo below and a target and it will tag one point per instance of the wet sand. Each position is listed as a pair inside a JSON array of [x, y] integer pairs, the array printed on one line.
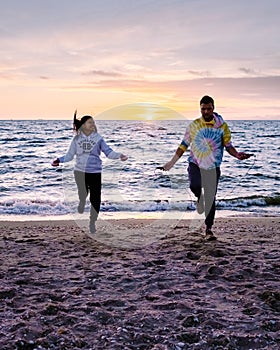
[[61, 289]]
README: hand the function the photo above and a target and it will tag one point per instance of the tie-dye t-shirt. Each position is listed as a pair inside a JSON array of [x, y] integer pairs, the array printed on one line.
[[207, 141]]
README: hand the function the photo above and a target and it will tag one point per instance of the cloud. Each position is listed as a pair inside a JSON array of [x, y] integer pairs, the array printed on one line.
[[171, 50], [249, 71], [103, 73], [263, 87], [200, 73]]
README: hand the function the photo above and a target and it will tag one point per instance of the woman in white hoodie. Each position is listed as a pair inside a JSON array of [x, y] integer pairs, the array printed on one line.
[[87, 146]]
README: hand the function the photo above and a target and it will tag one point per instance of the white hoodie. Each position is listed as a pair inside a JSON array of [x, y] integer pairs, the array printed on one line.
[[87, 150]]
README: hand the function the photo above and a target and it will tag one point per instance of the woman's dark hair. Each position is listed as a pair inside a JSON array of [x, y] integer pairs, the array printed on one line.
[[77, 123], [206, 100]]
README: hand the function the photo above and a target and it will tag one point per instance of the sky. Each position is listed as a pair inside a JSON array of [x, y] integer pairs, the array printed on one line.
[[93, 56]]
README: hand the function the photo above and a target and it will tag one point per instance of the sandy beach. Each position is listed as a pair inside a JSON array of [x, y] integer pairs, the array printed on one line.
[[61, 289]]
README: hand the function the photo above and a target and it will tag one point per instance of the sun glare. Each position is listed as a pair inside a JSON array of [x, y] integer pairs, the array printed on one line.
[[140, 111]]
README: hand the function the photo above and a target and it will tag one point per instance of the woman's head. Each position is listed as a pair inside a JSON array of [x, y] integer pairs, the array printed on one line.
[[86, 123]]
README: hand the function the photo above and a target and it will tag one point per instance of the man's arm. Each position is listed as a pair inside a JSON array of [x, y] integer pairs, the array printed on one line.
[[239, 155], [180, 151], [229, 147], [178, 154]]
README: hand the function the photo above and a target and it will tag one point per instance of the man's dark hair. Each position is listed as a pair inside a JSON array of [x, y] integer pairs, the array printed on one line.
[[206, 100]]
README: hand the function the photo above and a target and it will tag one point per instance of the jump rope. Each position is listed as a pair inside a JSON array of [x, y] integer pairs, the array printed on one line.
[[189, 192], [242, 176], [191, 196]]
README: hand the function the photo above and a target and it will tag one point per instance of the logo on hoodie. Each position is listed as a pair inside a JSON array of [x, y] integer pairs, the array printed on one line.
[[86, 145]]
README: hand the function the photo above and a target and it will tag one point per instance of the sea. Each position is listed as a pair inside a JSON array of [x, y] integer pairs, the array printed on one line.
[[32, 189]]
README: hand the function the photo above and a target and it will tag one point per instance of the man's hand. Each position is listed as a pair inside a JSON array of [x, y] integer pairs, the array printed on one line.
[[243, 155], [178, 154], [168, 165]]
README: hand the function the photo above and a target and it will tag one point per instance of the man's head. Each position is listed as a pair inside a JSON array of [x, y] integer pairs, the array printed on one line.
[[207, 107]]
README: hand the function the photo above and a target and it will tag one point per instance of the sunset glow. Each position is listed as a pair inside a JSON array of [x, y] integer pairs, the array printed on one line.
[[97, 55]]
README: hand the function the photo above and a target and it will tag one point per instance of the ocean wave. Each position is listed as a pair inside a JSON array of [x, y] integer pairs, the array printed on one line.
[[30, 147], [242, 202], [269, 136], [268, 176], [33, 207], [14, 139], [52, 207]]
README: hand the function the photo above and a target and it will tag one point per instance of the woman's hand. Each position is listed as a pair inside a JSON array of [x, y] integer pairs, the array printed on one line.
[[123, 157], [56, 162]]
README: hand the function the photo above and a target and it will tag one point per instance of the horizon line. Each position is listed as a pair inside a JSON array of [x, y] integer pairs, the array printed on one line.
[[139, 119]]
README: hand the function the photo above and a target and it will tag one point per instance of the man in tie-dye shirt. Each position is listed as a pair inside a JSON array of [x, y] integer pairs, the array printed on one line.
[[206, 137]]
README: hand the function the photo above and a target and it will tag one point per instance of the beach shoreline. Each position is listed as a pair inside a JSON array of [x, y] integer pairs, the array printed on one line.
[[62, 289], [121, 215]]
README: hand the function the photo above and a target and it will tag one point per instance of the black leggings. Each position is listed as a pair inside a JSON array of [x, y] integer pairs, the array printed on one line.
[[89, 183], [208, 180]]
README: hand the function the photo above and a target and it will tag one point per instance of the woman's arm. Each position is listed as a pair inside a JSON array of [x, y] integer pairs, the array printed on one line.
[[107, 150], [68, 156]]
